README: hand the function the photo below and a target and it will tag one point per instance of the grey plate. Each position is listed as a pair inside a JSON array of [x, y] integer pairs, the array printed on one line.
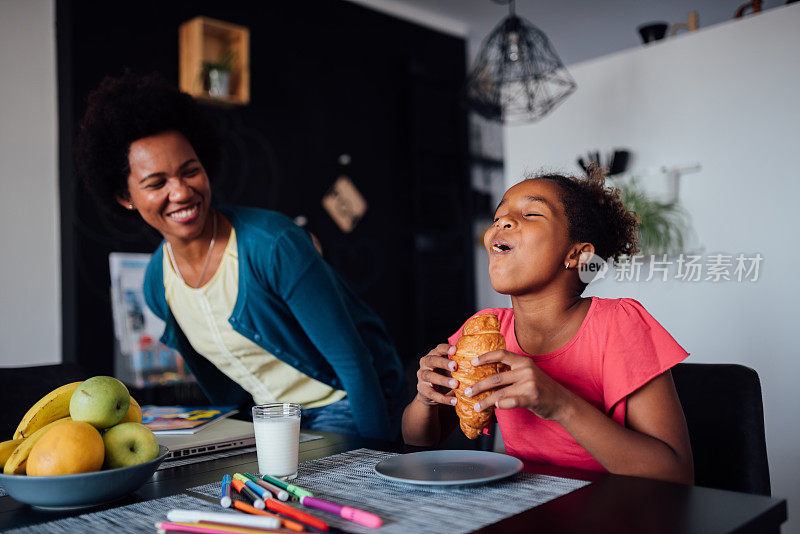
[[447, 468], [81, 490]]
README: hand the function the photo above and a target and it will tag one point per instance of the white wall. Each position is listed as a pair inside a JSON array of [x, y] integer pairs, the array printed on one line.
[[728, 98], [579, 30], [30, 285], [418, 15]]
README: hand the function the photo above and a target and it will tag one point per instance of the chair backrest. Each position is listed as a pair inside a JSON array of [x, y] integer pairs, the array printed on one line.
[[725, 415], [23, 386]]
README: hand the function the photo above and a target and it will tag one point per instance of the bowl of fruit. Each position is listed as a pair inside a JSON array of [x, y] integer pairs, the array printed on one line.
[[81, 445]]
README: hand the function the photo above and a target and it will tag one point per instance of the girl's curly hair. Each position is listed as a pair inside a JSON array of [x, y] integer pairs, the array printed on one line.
[[124, 109], [596, 214]]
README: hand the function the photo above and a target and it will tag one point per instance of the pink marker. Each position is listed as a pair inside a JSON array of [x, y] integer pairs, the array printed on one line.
[[351, 514]]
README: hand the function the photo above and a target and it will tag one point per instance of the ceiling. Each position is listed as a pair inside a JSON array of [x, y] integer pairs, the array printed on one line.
[[578, 29]]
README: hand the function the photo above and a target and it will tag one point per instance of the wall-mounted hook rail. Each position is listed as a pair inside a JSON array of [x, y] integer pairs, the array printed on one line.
[[673, 175]]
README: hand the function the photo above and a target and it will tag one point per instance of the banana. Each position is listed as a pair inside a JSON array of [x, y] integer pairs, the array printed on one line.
[[15, 465], [6, 448], [52, 406]]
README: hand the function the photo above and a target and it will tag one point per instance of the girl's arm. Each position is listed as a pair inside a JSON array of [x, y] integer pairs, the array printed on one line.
[[425, 425], [655, 443], [430, 417]]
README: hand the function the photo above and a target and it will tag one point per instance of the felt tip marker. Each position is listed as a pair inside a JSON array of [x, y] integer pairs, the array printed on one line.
[[291, 488], [262, 492], [164, 527], [239, 476], [258, 502], [287, 523], [246, 508], [275, 507], [276, 491], [225, 492], [294, 513], [242, 520], [258, 490], [351, 514]]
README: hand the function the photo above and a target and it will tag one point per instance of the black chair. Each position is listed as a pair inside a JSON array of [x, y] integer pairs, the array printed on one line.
[[725, 415], [23, 386]]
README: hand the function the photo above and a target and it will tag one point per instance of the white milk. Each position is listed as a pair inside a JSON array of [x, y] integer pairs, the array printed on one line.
[[277, 444]]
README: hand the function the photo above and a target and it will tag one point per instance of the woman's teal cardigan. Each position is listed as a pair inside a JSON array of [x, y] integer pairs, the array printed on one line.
[[292, 304]]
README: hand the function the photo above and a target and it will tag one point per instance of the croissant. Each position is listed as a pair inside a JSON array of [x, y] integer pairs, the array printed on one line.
[[481, 334]]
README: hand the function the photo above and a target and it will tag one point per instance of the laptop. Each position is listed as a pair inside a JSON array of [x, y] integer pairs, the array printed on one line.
[[222, 435]]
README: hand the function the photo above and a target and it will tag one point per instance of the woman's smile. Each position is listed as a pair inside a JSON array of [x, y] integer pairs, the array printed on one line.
[[185, 215]]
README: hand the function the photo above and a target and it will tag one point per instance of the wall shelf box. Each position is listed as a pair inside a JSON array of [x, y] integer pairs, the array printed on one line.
[[205, 39]]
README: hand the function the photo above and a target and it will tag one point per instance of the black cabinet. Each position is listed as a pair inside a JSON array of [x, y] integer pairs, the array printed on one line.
[[327, 78]]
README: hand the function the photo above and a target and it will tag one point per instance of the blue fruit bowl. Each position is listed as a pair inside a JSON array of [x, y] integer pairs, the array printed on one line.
[[81, 490]]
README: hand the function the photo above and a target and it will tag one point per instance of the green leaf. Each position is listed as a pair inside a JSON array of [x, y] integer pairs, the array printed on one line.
[[663, 226]]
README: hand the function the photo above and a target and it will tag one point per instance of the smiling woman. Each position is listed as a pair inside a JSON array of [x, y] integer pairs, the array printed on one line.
[[256, 313], [169, 188], [168, 185]]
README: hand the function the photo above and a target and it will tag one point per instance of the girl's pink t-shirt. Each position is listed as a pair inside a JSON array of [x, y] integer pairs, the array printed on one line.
[[618, 348]]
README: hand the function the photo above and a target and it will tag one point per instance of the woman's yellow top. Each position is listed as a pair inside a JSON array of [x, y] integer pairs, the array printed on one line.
[[203, 313]]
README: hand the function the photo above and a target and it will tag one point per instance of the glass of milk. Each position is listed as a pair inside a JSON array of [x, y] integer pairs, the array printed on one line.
[[277, 429]]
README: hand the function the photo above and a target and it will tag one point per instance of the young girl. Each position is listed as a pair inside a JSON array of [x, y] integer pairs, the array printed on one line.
[[589, 384]]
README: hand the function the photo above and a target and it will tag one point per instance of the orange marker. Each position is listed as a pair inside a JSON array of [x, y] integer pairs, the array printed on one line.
[[285, 509], [288, 523]]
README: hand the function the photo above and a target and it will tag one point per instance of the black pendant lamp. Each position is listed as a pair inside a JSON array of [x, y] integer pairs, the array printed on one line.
[[517, 77]]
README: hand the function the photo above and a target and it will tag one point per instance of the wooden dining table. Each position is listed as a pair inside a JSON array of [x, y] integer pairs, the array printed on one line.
[[611, 503]]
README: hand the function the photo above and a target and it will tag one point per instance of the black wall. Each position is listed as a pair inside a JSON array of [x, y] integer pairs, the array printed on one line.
[[327, 78]]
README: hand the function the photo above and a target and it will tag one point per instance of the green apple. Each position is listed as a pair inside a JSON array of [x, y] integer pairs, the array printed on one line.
[[129, 444], [101, 401]]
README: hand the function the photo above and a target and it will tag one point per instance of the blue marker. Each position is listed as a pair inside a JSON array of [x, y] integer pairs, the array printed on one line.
[[225, 494], [261, 492]]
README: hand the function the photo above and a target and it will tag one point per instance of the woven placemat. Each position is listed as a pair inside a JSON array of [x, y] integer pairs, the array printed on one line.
[[349, 479], [131, 519]]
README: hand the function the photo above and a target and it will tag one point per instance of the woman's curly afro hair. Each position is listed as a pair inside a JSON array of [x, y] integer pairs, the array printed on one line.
[[124, 109], [596, 213]]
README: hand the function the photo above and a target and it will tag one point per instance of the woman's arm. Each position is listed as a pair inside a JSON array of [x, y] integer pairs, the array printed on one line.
[[430, 416], [308, 288], [655, 444]]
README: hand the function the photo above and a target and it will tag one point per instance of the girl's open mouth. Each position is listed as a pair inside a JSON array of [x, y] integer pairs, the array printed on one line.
[[500, 247]]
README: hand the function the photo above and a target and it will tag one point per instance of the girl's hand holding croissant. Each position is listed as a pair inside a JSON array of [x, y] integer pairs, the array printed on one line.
[[523, 386], [434, 383]]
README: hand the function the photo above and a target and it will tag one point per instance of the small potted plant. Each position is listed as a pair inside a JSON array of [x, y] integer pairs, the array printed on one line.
[[663, 226], [216, 75]]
